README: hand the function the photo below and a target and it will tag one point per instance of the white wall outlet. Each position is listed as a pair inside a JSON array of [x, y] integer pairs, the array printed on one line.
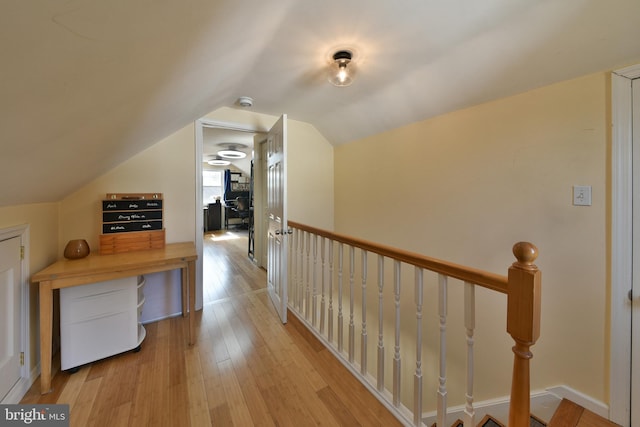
[[582, 195]]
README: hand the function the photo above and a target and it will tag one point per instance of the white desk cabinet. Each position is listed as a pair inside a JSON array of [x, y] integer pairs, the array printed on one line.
[[99, 320]]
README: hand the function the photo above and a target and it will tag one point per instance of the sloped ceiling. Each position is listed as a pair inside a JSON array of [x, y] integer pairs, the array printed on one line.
[[85, 84]]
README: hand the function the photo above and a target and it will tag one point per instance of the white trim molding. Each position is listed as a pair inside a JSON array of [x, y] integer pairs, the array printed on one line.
[[26, 378], [621, 244], [587, 402], [544, 404]]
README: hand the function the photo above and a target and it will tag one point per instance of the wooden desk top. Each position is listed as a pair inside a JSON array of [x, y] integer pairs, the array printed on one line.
[[96, 264]]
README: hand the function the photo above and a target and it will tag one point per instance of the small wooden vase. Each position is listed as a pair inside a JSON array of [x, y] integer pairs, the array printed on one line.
[[76, 249]]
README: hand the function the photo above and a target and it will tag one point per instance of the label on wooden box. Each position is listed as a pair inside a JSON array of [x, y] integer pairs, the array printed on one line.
[[123, 227], [129, 205]]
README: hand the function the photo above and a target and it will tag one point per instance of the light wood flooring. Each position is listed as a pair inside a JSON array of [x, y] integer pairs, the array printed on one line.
[[570, 414], [246, 368]]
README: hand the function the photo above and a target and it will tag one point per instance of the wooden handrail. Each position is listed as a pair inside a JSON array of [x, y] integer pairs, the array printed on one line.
[[485, 279], [522, 286]]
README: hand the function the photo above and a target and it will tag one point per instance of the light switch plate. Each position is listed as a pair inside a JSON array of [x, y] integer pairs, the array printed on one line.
[[582, 195]]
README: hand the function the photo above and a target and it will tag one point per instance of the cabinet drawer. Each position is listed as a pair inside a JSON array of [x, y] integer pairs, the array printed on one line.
[[130, 205], [95, 300], [124, 227], [131, 216], [89, 340]]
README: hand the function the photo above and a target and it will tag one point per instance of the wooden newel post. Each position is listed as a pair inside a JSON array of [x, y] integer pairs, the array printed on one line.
[[523, 324]]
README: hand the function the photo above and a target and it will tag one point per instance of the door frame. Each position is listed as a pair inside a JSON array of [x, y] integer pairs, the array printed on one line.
[[200, 124], [26, 377], [621, 243], [259, 203]]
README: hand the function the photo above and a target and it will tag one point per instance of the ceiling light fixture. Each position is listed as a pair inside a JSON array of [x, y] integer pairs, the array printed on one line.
[[231, 151], [232, 154], [219, 162], [342, 69]]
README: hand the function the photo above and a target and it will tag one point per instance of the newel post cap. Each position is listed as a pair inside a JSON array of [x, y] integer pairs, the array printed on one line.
[[524, 295], [525, 253]]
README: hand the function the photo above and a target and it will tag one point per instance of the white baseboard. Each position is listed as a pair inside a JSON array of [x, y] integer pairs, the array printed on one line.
[[543, 405], [21, 388]]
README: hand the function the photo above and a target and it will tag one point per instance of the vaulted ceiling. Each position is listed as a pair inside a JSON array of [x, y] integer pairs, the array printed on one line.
[[86, 84]]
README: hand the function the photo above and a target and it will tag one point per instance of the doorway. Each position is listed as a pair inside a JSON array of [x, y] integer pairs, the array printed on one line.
[[200, 126]]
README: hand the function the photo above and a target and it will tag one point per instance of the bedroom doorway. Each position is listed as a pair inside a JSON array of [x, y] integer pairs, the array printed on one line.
[[226, 130]]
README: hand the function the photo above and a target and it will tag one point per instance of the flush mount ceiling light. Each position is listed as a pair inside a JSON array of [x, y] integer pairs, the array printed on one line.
[[217, 161], [232, 152], [342, 69]]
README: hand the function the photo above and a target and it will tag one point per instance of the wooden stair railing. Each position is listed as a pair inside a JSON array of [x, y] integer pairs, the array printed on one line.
[[523, 324], [313, 303]]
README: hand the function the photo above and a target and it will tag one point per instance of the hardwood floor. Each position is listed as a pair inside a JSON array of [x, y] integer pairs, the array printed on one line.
[[570, 414], [227, 271], [246, 368]]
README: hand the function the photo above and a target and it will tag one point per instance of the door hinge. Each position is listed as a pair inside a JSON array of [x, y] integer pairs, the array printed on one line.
[[630, 295], [22, 358], [21, 252]]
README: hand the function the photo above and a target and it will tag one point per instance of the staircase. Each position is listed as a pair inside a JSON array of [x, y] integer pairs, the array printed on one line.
[[489, 421], [349, 292], [568, 414]]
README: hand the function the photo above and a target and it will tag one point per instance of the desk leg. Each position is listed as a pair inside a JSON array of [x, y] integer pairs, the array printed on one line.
[[46, 325], [192, 301], [184, 288]]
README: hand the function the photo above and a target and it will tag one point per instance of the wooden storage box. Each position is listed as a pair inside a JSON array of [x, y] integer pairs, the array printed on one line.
[[115, 243], [132, 222]]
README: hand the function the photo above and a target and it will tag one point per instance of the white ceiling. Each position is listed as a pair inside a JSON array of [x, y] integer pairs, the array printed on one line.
[[85, 84]]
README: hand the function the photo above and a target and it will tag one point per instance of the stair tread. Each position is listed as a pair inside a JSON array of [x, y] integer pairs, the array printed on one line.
[[570, 414]]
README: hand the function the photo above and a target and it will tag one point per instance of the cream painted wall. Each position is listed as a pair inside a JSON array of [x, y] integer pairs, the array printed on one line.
[[42, 219], [168, 167], [466, 186]]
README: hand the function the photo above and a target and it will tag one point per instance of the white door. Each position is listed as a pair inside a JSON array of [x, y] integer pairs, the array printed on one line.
[[635, 309], [10, 314], [265, 216], [277, 213]]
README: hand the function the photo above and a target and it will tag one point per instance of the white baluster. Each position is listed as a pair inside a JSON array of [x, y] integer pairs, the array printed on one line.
[[417, 379], [314, 309], [308, 282], [300, 262], [470, 325], [352, 328], [396, 355], [441, 408], [293, 256], [380, 323], [340, 315], [363, 337], [322, 298], [330, 315]]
